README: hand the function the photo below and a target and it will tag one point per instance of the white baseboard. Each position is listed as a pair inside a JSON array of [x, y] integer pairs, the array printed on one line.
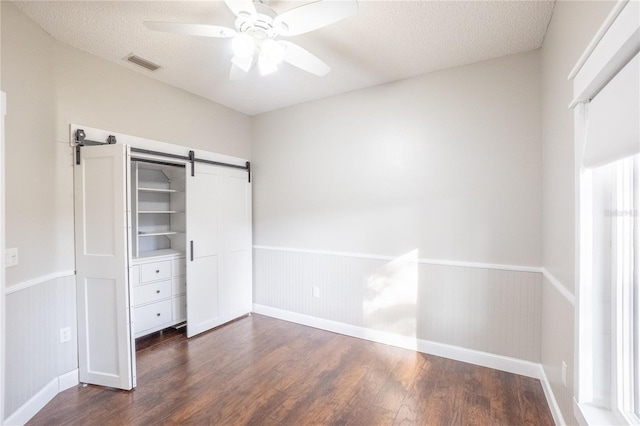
[[484, 359], [30, 408], [558, 418], [68, 380]]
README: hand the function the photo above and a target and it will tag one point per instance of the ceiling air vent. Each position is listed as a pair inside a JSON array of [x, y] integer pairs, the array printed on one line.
[[142, 62]]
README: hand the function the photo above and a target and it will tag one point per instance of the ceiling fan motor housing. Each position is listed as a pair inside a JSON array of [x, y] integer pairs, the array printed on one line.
[[257, 31], [260, 25], [256, 34]]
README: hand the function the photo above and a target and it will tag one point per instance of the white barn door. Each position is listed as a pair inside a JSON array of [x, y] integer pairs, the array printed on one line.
[[219, 259], [204, 249], [236, 290], [105, 340]]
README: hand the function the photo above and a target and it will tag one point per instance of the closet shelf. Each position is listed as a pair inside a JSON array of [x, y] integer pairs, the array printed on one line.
[[163, 190], [158, 211], [154, 234]]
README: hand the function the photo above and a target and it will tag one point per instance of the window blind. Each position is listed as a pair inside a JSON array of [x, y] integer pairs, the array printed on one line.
[[613, 128]]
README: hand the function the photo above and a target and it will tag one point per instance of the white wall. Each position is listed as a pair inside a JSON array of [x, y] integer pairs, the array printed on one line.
[[572, 27], [49, 86], [445, 166], [52, 85], [30, 197], [448, 163]]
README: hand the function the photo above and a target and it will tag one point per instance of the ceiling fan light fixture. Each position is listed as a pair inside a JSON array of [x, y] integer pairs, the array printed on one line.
[[273, 51], [243, 45], [258, 27], [243, 63], [265, 66]]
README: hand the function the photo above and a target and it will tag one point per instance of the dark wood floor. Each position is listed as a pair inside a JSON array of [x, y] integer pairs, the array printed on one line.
[[263, 371]]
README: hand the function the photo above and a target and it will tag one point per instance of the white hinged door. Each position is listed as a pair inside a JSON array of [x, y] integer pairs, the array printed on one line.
[[105, 340]]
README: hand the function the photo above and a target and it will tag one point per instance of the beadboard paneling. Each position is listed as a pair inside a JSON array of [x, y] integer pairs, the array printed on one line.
[[487, 310], [34, 354], [557, 345]]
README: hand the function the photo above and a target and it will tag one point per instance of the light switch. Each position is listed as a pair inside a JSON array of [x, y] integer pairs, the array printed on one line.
[[11, 257]]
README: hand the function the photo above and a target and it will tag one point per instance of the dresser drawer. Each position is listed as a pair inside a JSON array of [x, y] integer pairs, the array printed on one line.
[[151, 316], [155, 271], [179, 285], [151, 292]]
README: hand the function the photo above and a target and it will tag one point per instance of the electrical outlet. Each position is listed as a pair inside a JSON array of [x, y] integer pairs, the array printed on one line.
[[316, 292], [564, 373], [10, 257], [65, 334]]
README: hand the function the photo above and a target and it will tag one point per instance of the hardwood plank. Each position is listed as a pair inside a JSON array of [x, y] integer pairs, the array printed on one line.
[[263, 371]]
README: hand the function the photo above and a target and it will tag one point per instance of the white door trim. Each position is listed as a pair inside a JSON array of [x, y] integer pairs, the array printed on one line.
[[3, 101]]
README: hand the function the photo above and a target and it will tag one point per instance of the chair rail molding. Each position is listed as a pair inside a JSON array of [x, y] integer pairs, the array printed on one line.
[[424, 261]]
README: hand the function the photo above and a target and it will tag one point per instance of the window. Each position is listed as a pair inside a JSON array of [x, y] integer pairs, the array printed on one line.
[[610, 318], [607, 107], [624, 281]]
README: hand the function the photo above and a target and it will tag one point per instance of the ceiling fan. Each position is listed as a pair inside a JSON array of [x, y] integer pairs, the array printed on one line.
[[258, 28]]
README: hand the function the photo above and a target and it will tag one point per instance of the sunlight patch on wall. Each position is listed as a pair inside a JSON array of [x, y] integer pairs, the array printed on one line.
[[390, 296]]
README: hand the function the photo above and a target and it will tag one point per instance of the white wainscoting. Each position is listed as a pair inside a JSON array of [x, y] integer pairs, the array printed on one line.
[[557, 344], [475, 313], [29, 409], [498, 362], [38, 366], [478, 307], [511, 365]]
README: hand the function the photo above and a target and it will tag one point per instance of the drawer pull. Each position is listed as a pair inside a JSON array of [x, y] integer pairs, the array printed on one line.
[[158, 291], [157, 271], [158, 314]]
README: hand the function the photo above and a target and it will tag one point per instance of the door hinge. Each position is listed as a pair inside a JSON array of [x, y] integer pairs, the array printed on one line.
[[80, 141]]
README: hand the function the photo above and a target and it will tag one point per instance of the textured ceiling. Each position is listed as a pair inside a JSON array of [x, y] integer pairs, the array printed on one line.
[[384, 41]]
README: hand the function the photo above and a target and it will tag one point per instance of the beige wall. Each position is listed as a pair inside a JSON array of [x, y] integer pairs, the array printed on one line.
[[441, 166], [448, 163], [50, 85], [28, 80], [571, 29]]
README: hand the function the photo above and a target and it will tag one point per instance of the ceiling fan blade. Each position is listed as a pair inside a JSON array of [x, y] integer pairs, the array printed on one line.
[[239, 7], [236, 73], [303, 59], [191, 29], [312, 16]]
